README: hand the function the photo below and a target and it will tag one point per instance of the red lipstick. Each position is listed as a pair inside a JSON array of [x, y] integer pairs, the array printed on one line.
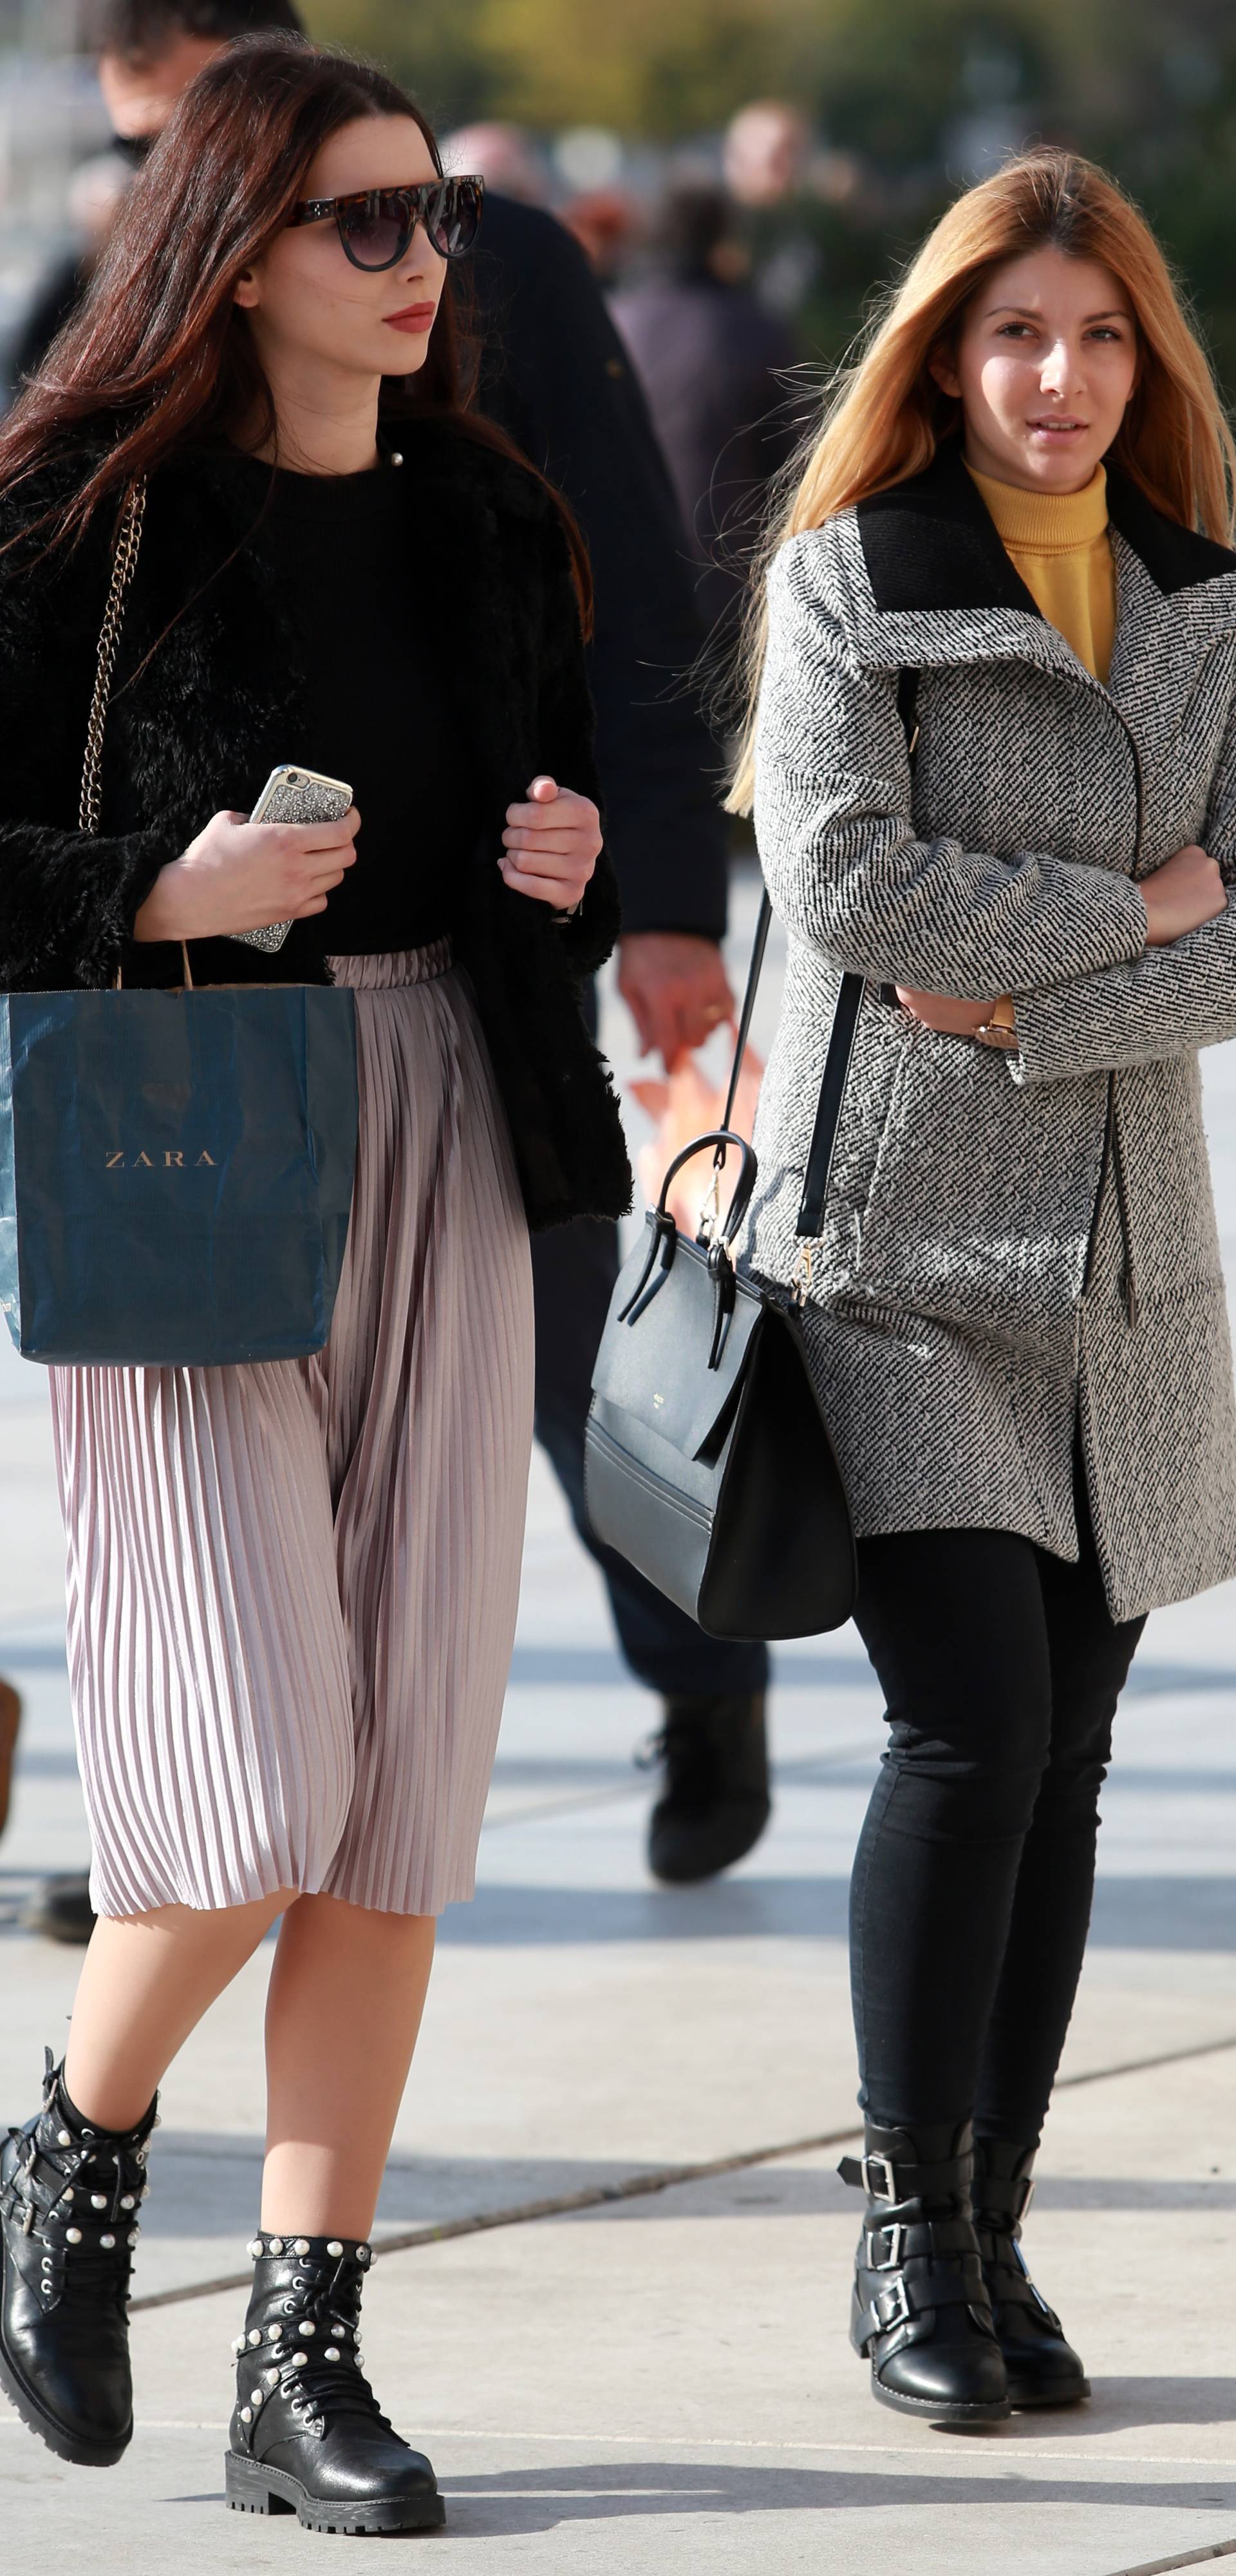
[[413, 317]]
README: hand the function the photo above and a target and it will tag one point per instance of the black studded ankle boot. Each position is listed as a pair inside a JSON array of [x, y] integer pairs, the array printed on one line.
[[921, 2313], [1043, 2370], [308, 2436], [69, 2198]]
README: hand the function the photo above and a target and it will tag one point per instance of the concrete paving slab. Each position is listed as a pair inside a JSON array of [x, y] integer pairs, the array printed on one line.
[[672, 2374]]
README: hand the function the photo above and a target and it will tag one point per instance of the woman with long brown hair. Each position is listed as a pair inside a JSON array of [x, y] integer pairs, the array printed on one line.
[[293, 1586], [993, 760]]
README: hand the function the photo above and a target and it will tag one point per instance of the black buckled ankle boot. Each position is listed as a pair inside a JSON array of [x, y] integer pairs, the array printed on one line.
[[308, 2436], [716, 1800], [921, 2312], [1043, 2370], [69, 2197]]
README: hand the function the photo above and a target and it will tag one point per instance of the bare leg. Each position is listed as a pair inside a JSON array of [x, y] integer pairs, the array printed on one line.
[[347, 1991], [146, 1981]]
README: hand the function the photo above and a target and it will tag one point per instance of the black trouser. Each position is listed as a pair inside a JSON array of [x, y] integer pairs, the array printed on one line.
[[970, 1902]]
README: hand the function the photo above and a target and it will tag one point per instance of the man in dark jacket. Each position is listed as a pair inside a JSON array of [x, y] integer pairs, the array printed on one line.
[[558, 381], [711, 359]]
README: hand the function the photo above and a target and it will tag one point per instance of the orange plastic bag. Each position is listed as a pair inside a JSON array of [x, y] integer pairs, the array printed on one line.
[[687, 1103]]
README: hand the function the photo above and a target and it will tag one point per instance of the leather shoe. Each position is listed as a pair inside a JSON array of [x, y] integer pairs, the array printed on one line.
[[60, 1909], [308, 2436], [69, 2201], [921, 2313], [1043, 2369], [715, 1802]]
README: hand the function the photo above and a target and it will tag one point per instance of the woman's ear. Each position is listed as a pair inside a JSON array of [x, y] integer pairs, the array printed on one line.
[[246, 292], [940, 366]]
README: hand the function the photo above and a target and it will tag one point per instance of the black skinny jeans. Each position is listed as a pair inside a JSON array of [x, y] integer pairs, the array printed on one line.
[[970, 1903]]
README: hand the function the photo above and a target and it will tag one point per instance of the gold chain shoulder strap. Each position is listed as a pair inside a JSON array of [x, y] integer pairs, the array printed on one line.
[[124, 560]]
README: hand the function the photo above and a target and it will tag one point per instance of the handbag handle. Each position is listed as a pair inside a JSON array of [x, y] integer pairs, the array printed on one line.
[[124, 564], [743, 1187]]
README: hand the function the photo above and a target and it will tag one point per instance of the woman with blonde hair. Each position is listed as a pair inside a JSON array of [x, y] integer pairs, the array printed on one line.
[[993, 763]]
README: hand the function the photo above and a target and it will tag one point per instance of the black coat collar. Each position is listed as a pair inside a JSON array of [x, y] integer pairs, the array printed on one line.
[[931, 543]]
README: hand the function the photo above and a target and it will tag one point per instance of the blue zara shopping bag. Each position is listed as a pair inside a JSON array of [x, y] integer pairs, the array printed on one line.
[[175, 1172], [175, 1168]]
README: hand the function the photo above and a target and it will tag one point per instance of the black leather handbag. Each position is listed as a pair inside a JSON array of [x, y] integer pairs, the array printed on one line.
[[707, 1460]]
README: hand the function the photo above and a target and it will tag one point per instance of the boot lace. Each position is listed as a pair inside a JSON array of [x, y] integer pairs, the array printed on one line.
[[316, 2365]]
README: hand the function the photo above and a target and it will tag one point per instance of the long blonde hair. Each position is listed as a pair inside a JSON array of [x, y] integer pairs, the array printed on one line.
[[887, 415]]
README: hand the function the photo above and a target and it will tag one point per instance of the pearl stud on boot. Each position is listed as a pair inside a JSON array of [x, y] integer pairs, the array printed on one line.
[[69, 2198], [308, 2436]]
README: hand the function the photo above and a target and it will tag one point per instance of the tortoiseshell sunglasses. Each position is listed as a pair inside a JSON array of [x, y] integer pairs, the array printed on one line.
[[377, 224]]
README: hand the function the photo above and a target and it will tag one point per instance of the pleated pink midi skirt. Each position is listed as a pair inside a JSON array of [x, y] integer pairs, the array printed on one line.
[[292, 1587]]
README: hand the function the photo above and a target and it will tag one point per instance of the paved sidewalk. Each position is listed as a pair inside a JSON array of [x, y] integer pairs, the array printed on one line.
[[655, 2371]]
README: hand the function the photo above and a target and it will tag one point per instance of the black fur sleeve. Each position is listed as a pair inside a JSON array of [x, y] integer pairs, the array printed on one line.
[[566, 749], [67, 901]]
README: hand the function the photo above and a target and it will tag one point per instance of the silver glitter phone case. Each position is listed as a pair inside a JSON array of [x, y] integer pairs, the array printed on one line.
[[293, 795]]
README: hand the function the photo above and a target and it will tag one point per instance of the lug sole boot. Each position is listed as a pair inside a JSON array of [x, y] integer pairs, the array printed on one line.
[[921, 2314], [307, 2435], [1043, 2369], [69, 2201], [716, 1799]]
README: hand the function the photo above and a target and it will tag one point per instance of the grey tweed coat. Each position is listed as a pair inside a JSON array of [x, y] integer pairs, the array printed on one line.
[[1016, 1248]]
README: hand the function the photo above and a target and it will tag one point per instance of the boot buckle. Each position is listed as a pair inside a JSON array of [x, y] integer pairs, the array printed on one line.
[[888, 2192], [892, 2307], [895, 2231]]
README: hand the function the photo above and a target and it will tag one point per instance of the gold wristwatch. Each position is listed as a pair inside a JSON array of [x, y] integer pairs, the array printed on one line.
[[1001, 1029]]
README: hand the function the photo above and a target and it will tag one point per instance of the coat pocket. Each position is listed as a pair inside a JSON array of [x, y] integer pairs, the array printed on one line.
[[982, 1195]]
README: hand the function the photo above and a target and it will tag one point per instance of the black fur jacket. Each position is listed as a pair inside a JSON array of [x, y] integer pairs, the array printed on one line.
[[210, 672]]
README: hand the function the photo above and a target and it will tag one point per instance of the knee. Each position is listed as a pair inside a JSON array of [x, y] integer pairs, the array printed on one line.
[[984, 1768], [1076, 1770]]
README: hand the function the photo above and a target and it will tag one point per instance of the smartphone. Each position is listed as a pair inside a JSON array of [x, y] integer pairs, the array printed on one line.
[[294, 795]]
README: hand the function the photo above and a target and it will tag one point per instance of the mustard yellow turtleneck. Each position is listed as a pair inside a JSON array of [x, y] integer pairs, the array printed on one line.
[[1059, 543]]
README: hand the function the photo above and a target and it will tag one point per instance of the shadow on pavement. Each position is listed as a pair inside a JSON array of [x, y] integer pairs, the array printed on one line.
[[1136, 1913], [508, 2501]]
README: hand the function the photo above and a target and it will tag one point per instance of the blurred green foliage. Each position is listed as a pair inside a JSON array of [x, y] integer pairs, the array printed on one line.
[[917, 90]]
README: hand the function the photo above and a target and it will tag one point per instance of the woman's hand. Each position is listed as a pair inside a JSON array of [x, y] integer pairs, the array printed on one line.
[[551, 845], [1186, 891], [676, 989], [239, 875], [936, 1011]]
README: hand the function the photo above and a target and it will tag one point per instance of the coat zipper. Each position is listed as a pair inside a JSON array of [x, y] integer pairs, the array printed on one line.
[[1111, 1134]]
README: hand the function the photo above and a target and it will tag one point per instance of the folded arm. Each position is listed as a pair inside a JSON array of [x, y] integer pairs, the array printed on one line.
[[843, 863], [1170, 1001]]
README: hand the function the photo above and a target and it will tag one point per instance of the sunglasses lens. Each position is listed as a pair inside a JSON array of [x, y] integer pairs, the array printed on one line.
[[378, 232], [453, 217]]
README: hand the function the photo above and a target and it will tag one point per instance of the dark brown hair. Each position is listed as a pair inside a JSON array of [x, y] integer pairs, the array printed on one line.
[[158, 354], [140, 30]]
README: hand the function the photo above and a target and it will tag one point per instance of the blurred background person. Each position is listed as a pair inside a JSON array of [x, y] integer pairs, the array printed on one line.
[[556, 377], [95, 191], [766, 158], [506, 157], [10, 1721], [710, 358]]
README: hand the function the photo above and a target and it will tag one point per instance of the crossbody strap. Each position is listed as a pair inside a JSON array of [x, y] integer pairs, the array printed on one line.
[[843, 1033]]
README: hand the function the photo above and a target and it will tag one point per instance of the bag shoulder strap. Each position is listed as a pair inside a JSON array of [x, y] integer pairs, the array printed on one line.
[[844, 1028], [124, 564]]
